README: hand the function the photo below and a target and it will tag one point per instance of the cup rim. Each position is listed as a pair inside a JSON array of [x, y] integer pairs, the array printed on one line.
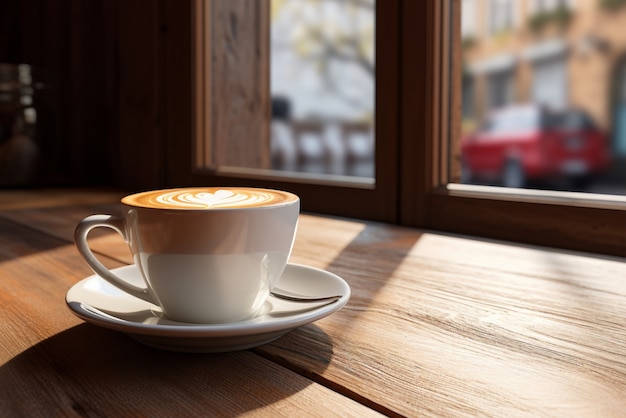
[[291, 199]]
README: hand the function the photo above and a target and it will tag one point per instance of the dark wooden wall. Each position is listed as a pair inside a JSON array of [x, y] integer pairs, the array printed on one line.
[[100, 120], [72, 48]]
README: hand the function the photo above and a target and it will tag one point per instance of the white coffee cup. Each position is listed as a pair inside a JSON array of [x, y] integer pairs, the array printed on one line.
[[207, 255]]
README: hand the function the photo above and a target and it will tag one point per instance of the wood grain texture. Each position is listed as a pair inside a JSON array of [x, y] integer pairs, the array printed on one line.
[[438, 325], [450, 326], [53, 198], [240, 65], [53, 365], [574, 228]]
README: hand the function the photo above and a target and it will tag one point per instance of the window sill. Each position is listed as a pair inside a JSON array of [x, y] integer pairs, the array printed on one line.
[[551, 197]]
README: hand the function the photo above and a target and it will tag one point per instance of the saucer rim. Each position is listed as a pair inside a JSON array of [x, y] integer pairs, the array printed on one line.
[[250, 327]]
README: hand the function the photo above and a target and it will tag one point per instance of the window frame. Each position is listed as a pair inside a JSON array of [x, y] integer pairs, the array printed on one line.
[[499, 22], [573, 221], [415, 116], [346, 197]]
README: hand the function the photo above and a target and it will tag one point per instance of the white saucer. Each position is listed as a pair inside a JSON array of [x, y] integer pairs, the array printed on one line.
[[96, 301]]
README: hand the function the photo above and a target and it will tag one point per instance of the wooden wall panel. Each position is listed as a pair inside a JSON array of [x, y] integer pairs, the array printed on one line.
[[141, 154], [71, 45], [100, 60], [240, 82]]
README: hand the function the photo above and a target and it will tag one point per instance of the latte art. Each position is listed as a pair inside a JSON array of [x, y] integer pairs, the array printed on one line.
[[209, 198], [221, 198]]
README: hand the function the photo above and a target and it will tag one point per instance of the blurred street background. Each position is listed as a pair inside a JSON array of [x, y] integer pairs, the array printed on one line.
[[565, 60]]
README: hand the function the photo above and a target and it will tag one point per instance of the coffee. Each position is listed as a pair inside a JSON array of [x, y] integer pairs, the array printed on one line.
[[210, 198]]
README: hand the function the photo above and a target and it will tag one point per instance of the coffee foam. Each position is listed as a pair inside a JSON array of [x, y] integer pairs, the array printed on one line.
[[209, 198]]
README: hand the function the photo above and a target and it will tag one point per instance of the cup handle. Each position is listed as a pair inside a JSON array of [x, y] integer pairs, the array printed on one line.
[[117, 224]]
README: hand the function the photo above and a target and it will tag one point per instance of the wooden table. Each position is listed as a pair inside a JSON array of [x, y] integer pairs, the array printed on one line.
[[438, 325]]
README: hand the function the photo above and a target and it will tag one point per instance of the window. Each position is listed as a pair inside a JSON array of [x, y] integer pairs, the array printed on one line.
[[467, 96], [418, 110], [322, 61], [291, 87], [371, 192], [550, 82], [538, 6], [563, 219], [500, 89], [501, 16], [468, 16], [562, 60]]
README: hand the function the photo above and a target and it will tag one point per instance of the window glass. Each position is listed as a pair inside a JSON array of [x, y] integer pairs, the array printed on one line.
[[291, 89], [322, 86], [549, 91], [296, 95]]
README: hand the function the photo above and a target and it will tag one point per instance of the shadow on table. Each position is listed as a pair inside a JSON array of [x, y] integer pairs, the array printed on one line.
[[371, 259], [27, 232], [366, 263], [93, 371]]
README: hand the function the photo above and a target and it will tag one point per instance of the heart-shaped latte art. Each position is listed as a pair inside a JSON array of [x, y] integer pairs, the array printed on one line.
[[210, 198], [217, 199]]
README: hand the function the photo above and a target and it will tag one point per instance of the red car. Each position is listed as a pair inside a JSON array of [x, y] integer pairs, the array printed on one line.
[[524, 143]]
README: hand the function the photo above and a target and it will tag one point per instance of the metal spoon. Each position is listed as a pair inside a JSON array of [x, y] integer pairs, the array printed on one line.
[[294, 297]]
